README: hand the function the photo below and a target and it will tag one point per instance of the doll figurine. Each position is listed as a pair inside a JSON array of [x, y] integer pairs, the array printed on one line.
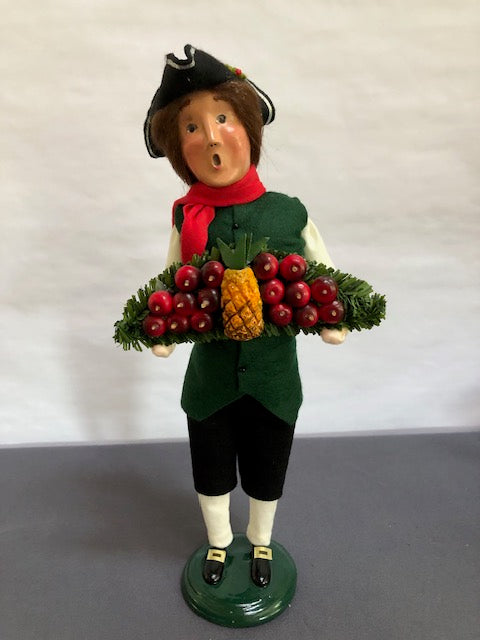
[[241, 397]]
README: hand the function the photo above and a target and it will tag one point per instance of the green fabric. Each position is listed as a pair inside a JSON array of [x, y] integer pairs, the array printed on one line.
[[265, 368]]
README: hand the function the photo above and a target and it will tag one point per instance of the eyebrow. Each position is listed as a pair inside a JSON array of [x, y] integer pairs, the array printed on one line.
[[188, 101], [184, 104]]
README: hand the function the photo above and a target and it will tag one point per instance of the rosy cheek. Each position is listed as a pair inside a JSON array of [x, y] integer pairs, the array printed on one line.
[[189, 150], [231, 129], [234, 136]]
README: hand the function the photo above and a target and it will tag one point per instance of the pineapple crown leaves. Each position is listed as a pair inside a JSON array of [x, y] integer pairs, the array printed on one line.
[[240, 255]]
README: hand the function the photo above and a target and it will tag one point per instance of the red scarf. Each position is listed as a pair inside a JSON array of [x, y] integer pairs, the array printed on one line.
[[199, 209]]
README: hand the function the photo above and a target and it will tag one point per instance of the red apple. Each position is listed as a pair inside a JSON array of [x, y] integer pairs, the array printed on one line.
[[280, 314], [265, 266], [184, 303], [212, 273], [332, 313], [324, 289], [297, 294], [307, 316], [208, 299], [187, 278], [160, 303], [272, 291], [154, 326], [177, 323], [293, 267], [201, 322]]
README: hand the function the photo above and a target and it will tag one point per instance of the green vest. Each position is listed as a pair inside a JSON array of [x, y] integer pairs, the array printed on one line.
[[266, 368]]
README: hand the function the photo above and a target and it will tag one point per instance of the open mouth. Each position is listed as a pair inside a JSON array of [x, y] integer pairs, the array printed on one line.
[[216, 160]]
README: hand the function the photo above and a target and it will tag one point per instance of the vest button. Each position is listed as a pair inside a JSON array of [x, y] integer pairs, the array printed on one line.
[[236, 225], [242, 369]]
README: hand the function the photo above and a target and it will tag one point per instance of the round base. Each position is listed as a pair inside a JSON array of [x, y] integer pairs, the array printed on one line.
[[236, 601]]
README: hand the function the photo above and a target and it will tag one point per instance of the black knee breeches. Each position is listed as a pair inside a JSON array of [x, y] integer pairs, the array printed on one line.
[[247, 432]]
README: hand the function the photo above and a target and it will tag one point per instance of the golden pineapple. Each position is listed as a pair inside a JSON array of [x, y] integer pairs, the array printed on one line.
[[241, 301]]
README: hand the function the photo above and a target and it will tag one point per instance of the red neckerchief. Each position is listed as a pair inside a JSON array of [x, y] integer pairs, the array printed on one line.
[[199, 209]]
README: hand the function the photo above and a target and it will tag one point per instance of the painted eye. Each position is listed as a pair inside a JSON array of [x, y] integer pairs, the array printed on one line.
[[191, 127], [221, 118]]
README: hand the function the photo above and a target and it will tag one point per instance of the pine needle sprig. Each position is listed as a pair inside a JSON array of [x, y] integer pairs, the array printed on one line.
[[364, 308]]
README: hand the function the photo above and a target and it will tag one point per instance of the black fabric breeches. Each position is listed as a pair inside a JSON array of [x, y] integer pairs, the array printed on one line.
[[244, 431]]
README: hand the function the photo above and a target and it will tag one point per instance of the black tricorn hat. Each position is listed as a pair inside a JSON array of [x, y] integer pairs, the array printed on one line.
[[197, 72]]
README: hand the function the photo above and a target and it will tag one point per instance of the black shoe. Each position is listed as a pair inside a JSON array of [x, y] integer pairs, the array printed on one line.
[[213, 565], [261, 565]]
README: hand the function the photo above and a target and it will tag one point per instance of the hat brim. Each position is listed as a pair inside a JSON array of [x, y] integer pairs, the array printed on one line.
[[199, 71]]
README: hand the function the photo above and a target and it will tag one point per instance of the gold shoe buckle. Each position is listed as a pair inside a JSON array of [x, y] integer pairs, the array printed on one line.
[[217, 554], [262, 552]]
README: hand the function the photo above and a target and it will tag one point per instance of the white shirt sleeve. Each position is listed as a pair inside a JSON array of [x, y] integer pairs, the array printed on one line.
[[315, 248], [174, 253]]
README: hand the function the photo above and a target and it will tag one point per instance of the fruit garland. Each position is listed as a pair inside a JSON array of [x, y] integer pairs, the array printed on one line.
[[184, 303]]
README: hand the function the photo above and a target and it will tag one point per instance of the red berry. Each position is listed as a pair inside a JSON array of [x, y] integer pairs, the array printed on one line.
[[324, 289], [187, 278], [184, 303], [280, 314], [265, 266], [332, 313], [154, 326], [208, 299], [177, 323], [307, 316], [272, 291], [160, 303], [293, 267], [212, 273], [201, 322], [297, 294]]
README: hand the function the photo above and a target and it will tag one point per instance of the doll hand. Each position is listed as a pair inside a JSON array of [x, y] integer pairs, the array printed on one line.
[[162, 351], [334, 336]]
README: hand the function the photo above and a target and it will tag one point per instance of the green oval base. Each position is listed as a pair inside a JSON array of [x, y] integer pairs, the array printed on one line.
[[237, 601]]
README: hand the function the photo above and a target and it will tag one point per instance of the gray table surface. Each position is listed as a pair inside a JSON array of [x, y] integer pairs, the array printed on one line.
[[385, 532]]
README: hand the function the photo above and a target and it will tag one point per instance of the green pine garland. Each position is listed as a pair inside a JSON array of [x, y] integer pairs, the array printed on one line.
[[364, 309]]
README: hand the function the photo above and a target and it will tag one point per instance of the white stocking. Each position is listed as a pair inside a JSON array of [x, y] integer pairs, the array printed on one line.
[[216, 515], [262, 515]]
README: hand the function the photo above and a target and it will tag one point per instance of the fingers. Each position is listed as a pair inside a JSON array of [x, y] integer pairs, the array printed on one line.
[[334, 336], [162, 351]]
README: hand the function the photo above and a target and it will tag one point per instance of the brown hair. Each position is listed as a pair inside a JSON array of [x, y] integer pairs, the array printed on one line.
[[244, 100]]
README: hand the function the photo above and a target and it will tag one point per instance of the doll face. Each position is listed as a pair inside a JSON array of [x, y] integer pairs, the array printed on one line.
[[214, 142]]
